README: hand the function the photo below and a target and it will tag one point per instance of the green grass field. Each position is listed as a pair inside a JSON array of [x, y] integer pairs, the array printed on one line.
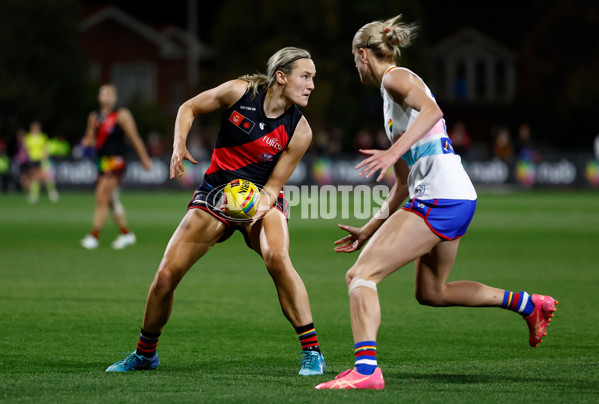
[[67, 313]]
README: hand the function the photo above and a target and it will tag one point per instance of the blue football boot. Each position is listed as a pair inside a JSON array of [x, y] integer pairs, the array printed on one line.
[[135, 362], [312, 363]]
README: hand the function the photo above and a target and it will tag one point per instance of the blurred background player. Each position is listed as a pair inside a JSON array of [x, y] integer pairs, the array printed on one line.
[[262, 138], [107, 130], [38, 152], [428, 228], [4, 167]]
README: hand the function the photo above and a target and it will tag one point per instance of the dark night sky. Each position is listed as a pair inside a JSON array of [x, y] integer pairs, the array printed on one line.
[[508, 22], [157, 13], [504, 21]]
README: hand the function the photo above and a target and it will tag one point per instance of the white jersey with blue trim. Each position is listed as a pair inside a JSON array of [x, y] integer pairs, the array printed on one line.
[[436, 172]]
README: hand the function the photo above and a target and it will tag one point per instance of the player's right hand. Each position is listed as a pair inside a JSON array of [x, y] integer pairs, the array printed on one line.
[[352, 242], [180, 153]]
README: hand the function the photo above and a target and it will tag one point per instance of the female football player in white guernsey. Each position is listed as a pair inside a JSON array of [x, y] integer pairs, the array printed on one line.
[[428, 228]]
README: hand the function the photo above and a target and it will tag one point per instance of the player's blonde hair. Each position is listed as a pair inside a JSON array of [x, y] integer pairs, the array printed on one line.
[[385, 38], [283, 60]]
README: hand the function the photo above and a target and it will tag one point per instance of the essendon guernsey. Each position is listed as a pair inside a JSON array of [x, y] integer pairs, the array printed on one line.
[[110, 138], [249, 144]]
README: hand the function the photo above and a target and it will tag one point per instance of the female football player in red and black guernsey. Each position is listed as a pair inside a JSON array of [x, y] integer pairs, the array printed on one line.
[[107, 131], [262, 138]]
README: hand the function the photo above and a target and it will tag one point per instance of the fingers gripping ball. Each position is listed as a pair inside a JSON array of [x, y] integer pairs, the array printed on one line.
[[240, 199]]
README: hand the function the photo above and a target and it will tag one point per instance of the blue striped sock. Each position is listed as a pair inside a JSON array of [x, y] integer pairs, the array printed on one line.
[[365, 352], [520, 302]]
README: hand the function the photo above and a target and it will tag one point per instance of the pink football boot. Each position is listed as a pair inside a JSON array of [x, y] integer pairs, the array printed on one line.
[[540, 318], [351, 379]]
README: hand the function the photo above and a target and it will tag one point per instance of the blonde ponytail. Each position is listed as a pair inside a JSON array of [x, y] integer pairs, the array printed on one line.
[[385, 38]]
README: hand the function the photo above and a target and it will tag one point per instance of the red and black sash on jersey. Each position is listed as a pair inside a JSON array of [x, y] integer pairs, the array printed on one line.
[[104, 128], [262, 150], [249, 144]]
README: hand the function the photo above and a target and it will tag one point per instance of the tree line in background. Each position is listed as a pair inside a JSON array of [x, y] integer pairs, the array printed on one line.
[[44, 75]]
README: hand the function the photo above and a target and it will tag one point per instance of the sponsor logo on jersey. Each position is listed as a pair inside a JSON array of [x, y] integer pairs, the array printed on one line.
[[262, 125], [266, 157], [419, 189], [246, 107], [272, 142], [241, 122]]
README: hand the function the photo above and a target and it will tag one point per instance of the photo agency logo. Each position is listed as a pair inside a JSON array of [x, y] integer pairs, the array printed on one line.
[[327, 202], [337, 202]]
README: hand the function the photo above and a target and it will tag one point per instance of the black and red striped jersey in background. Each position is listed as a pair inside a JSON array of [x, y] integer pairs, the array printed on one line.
[[110, 137], [249, 144]]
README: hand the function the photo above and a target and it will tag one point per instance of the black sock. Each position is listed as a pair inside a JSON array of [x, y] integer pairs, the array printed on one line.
[[307, 337], [146, 346]]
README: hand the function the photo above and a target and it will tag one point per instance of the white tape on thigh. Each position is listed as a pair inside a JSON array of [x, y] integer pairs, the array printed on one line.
[[356, 283]]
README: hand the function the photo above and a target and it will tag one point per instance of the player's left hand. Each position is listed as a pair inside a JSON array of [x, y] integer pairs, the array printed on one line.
[[265, 205], [352, 242], [379, 160]]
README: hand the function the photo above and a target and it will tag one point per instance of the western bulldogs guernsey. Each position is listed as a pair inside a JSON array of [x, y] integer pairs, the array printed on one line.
[[249, 144], [436, 172]]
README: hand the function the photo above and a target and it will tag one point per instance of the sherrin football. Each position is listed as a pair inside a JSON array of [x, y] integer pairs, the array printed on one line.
[[240, 199]]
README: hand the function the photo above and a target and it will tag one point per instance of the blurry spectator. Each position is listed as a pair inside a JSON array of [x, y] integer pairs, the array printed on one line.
[[197, 148], [38, 150], [326, 142], [502, 146], [363, 140], [21, 161], [4, 167], [155, 145], [335, 145], [59, 148], [596, 146], [320, 140], [524, 146], [208, 134], [381, 141], [460, 139]]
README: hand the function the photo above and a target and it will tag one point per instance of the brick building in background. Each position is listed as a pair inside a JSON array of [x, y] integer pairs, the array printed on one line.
[[159, 64]]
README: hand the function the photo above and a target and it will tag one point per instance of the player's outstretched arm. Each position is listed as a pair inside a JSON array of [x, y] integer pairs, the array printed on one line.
[[205, 102], [89, 138], [127, 122], [358, 236]]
